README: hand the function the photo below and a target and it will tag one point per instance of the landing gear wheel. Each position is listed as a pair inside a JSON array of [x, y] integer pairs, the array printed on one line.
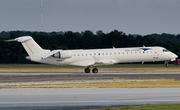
[[87, 70], [95, 70], [166, 63]]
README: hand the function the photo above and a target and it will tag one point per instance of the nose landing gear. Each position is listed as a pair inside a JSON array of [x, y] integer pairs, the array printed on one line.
[[88, 70], [166, 63]]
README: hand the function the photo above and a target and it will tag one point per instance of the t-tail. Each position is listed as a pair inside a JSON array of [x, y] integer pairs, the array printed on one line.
[[30, 45]]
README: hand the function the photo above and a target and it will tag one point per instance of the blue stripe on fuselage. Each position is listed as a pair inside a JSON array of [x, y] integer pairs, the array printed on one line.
[[145, 49]]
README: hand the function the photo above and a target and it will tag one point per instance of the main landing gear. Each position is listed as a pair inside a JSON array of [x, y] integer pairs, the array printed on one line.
[[94, 70], [166, 63], [87, 70]]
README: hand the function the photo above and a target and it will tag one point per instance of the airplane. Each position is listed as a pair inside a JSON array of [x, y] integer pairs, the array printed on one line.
[[94, 57]]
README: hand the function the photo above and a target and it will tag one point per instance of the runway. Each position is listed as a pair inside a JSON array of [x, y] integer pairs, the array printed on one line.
[[86, 98], [40, 77], [9, 80]]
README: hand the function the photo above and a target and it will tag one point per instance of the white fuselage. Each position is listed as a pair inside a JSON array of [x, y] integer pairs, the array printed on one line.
[[96, 57], [93, 57]]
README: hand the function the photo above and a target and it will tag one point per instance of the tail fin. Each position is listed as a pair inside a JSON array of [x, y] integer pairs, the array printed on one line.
[[30, 45]]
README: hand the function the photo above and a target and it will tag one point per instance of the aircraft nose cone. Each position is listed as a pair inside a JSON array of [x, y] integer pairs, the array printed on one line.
[[175, 56]]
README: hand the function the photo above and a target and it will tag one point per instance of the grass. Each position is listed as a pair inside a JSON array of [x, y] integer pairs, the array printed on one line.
[[148, 107], [42, 68], [152, 84]]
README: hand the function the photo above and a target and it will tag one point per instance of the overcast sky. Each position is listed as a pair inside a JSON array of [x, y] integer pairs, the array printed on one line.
[[130, 16]]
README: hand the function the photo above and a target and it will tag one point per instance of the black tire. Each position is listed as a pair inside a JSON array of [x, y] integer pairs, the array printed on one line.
[[87, 70], [166, 64], [95, 70]]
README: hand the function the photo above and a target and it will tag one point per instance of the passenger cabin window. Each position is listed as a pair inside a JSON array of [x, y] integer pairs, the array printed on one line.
[[165, 50], [98, 53]]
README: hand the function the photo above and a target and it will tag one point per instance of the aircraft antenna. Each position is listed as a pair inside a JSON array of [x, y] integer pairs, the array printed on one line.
[[41, 15]]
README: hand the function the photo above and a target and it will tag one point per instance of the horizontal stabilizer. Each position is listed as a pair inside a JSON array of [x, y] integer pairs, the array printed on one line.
[[10, 40], [20, 39], [23, 39]]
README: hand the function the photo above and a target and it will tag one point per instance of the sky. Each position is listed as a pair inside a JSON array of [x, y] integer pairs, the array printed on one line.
[[129, 16]]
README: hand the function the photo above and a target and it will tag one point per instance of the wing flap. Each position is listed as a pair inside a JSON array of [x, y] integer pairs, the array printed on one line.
[[94, 62]]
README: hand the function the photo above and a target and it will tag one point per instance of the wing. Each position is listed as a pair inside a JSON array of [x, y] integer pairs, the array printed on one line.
[[94, 62]]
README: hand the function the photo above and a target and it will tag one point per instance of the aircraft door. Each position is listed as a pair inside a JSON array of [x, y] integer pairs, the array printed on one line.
[[156, 55]]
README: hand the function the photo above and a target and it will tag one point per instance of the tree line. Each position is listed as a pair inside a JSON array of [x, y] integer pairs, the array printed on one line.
[[13, 52]]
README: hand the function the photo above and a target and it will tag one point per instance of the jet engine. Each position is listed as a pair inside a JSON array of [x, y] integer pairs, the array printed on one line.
[[63, 54]]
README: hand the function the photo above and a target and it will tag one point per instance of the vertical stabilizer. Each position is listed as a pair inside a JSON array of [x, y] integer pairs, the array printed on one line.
[[30, 45]]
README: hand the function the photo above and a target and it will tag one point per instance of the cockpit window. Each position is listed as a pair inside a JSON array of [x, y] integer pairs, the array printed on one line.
[[165, 50]]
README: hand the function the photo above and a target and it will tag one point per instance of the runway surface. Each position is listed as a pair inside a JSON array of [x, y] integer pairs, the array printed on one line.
[[39, 77], [83, 98], [86, 98]]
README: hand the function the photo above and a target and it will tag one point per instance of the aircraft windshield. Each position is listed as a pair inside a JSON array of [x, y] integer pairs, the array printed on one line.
[[165, 50]]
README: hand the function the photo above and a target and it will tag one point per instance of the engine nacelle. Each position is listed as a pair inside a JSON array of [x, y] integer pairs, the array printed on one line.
[[63, 54]]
